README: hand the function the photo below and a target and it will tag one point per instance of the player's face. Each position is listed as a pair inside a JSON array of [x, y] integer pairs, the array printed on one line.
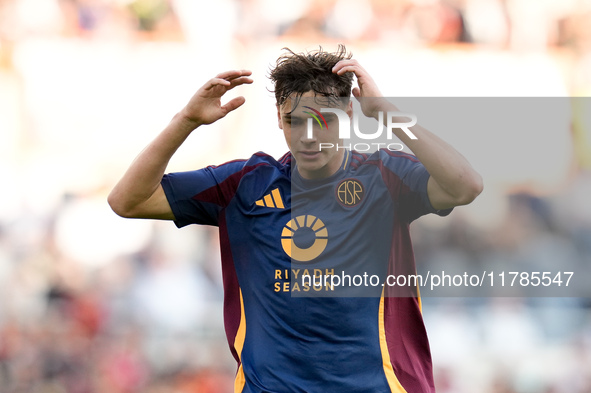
[[315, 159]]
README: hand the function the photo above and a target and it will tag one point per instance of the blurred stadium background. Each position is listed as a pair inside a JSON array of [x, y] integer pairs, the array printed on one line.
[[90, 302]]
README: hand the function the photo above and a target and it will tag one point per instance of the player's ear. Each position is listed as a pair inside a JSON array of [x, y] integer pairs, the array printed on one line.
[[350, 109], [279, 116]]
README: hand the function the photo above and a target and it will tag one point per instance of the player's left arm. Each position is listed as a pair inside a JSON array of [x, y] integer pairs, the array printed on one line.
[[453, 181]]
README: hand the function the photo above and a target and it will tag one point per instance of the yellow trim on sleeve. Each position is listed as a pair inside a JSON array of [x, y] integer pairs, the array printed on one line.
[[419, 299], [240, 380], [393, 382]]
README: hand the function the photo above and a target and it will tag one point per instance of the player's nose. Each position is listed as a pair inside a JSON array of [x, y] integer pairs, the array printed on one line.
[[309, 135]]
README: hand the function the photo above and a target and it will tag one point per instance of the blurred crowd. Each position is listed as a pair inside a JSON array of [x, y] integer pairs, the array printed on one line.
[[91, 303]]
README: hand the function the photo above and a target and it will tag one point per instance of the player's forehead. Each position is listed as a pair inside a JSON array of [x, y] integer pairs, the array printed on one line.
[[296, 105]]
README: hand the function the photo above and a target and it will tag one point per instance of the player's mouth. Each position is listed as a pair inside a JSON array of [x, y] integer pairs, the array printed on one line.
[[310, 154]]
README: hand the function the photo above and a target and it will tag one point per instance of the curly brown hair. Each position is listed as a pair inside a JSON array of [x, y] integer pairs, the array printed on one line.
[[298, 73]]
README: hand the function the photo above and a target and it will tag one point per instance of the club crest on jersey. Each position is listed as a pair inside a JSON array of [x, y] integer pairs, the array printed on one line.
[[349, 192]]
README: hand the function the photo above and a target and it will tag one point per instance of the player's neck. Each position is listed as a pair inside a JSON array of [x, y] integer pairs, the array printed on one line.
[[330, 168]]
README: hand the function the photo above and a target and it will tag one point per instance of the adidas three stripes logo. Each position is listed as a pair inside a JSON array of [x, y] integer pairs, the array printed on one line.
[[271, 200]]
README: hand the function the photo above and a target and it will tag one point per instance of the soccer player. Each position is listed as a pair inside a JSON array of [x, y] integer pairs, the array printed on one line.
[[316, 209]]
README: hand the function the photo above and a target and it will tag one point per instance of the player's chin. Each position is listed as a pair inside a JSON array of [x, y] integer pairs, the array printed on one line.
[[310, 164]]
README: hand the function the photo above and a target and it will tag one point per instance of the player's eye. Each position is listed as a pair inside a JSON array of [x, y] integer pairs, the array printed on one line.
[[294, 121], [330, 118]]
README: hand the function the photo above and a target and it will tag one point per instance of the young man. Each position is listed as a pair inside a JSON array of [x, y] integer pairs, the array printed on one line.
[[315, 208]]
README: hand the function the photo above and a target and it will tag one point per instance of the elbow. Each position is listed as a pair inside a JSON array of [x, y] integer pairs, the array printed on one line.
[[118, 206], [473, 187]]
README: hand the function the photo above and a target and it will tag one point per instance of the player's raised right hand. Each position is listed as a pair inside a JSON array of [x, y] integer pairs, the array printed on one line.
[[205, 107]]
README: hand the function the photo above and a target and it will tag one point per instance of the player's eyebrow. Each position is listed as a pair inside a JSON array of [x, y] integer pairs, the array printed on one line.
[[289, 116]]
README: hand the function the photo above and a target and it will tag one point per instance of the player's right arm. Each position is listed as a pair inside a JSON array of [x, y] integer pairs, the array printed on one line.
[[139, 194]]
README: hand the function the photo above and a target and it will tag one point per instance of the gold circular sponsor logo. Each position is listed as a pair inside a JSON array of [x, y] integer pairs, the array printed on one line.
[[350, 192], [304, 238]]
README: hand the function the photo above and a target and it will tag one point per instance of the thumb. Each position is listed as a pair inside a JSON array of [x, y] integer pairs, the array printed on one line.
[[356, 92], [233, 104]]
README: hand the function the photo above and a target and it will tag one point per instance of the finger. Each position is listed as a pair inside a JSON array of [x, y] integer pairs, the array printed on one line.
[[240, 81], [356, 92], [228, 75], [233, 104], [348, 68], [242, 73], [216, 82], [344, 63]]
